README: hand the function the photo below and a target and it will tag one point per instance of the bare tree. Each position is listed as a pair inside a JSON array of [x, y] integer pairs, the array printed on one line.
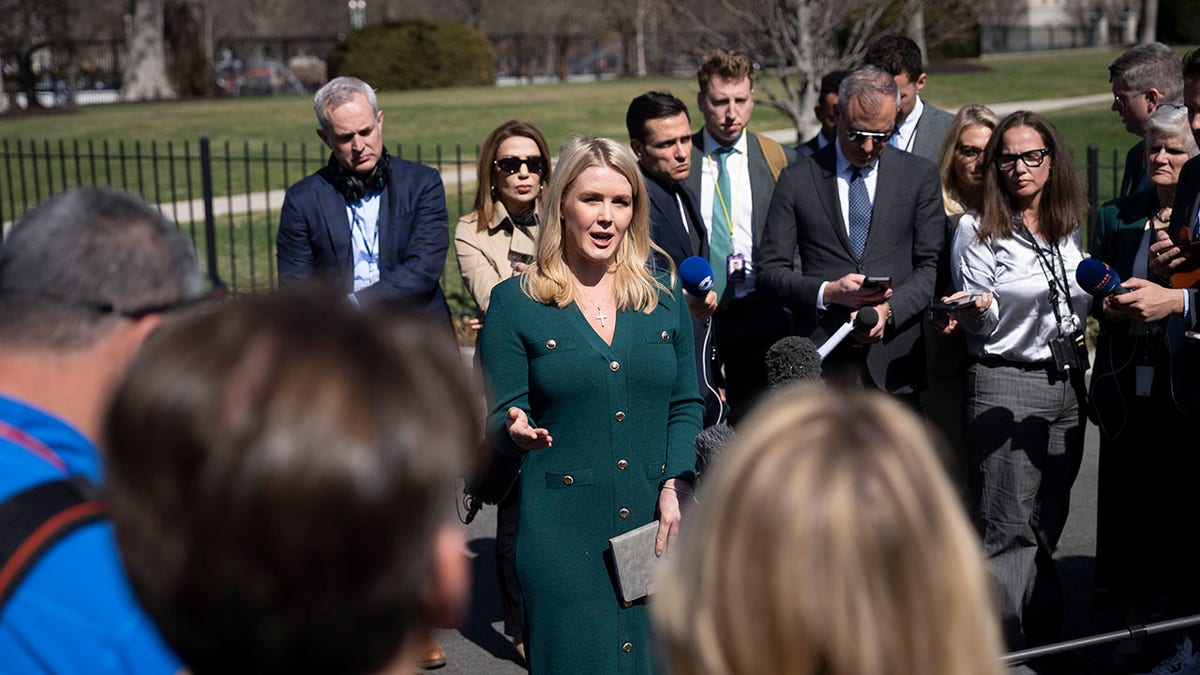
[[630, 19], [146, 72], [798, 41]]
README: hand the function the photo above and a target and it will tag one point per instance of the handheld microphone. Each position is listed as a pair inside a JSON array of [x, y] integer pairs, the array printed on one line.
[[1098, 278], [696, 274], [792, 359], [865, 320]]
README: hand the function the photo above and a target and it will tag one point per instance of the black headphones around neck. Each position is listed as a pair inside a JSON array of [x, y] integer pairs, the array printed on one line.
[[354, 188]]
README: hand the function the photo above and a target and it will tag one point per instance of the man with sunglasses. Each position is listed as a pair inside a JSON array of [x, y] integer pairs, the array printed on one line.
[[367, 223], [853, 226], [1143, 77], [84, 279]]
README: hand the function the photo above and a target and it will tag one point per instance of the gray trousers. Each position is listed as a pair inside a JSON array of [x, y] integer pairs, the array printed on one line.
[[1024, 432]]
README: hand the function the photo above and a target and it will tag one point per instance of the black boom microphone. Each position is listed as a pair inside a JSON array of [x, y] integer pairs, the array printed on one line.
[[792, 359]]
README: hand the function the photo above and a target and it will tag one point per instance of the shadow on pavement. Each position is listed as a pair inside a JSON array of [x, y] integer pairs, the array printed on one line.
[[485, 603]]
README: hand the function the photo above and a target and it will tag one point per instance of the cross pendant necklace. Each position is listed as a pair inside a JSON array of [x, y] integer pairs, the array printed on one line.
[[600, 315]]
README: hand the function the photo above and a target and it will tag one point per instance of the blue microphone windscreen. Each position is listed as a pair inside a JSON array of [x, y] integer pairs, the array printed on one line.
[[1097, 277], [696, 275]]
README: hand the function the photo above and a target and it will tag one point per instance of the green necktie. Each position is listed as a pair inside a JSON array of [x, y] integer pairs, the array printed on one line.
[[720, 242]]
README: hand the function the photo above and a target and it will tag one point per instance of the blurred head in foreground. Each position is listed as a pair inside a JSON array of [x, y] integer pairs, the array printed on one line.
[[828, 542], [280, 477]]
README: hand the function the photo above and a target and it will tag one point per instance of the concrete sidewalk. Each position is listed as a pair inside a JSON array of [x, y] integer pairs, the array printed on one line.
[[187, 211]]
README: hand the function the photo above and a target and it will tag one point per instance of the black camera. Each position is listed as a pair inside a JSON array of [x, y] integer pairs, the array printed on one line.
[[1070, 353]]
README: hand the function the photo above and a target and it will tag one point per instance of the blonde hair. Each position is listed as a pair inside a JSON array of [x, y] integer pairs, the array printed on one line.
[[829, 542], [549, 279], [970, 115]]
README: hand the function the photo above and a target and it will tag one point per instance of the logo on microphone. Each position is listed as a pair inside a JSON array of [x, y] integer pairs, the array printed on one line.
[[705, 284]]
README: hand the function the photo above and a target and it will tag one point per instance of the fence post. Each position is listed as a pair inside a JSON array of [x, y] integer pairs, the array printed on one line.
[[210, 227], [1093, 188]]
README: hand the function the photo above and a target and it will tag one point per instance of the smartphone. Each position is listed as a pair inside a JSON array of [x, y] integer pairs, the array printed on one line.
[[877, 282], [955, 306]]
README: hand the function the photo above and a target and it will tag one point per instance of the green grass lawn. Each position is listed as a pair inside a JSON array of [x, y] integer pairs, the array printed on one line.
[[129, 142]]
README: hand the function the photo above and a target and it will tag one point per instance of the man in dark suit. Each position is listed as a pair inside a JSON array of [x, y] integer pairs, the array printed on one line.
[[660, 134], [1143, 77], [853, 211], [826, 112], [733, 172], [369, 224], [920, 127]]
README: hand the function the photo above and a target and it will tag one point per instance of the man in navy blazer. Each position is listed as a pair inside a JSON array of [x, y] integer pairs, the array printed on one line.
[[660, 134], [371, 225], [854, 210]]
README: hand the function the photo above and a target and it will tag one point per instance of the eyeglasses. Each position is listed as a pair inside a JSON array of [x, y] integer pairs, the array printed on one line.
[[1032, 159], [1122, 100], [969, 151], [860, 136], [511, 165]]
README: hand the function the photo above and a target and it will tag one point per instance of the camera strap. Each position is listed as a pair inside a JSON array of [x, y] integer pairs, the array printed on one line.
[[1055, 284]]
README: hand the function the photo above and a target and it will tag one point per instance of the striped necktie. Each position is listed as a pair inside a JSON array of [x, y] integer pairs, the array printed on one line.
[[720, 240]]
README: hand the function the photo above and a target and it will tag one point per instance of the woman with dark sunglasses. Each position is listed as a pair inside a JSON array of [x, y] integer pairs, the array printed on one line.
[[1024, 412], [494, 242]]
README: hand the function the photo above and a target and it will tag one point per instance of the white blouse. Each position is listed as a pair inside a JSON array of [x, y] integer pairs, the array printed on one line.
[[1020, 323]]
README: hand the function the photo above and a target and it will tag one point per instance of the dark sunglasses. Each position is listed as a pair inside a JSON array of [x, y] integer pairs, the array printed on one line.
[[968, 151], [860, 136], [1031, 159], [511, 165]]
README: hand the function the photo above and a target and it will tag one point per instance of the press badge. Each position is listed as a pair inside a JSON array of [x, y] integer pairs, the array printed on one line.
[[1143, 380], [735, 268]]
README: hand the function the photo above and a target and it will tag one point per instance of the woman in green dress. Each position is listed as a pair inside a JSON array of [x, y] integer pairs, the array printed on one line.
[[589, 360]]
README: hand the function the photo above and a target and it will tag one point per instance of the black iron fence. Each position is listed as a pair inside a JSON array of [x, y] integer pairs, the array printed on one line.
[[227, 196]]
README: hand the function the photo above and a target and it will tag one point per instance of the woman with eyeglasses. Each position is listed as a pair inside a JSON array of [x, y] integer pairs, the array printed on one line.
[[495, 242], [961, 169], [1024, 429], [1131, 385]]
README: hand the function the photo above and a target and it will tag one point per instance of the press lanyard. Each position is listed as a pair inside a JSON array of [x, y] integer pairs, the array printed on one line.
[[1047, 267], [359, 222]]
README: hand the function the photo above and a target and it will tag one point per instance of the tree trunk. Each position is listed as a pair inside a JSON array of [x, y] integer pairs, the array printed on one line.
[[146, 73], [1150, 22], [914, 25], [188, 30], [639, 34]]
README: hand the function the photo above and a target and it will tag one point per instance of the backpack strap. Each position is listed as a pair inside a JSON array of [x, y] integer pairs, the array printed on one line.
[[34, 520], [773, 153]]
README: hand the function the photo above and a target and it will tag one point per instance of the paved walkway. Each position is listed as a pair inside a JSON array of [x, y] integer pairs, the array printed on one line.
[[185, 211]]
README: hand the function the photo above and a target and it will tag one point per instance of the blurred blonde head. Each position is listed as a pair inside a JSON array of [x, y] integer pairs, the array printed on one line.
[[829, 542]]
